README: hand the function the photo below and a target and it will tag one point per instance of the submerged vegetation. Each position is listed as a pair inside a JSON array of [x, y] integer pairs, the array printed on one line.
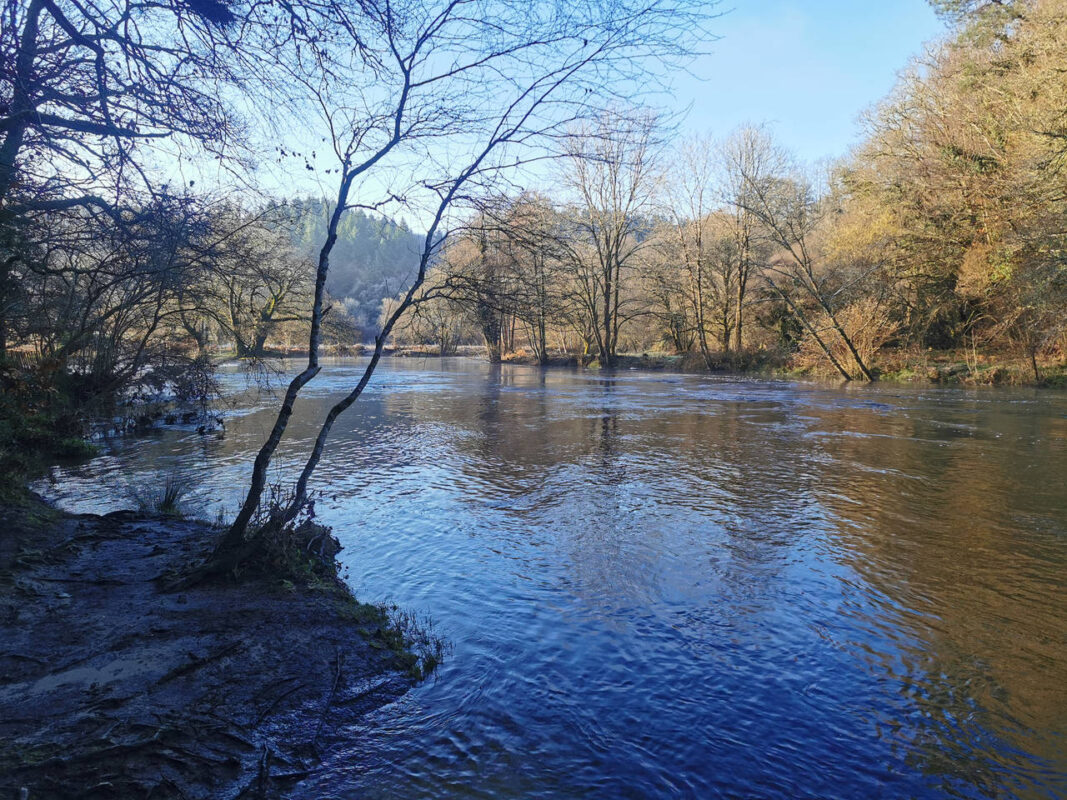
[[162, 501]]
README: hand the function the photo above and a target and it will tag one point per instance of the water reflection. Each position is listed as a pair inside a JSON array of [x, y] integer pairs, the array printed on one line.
[[680, 586]]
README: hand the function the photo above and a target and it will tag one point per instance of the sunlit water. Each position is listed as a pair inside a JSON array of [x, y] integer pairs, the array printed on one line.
[[679, 586]]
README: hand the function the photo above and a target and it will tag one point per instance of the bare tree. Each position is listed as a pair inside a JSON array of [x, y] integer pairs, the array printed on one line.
[[86, 85], [698, 243], [84, 89], [475, 274], [96, 297], [535, 233], [611, 171], [504, 268], [666, 287], [256, 282], [432, 318], [494, 80], [784, 200], [743, 154]]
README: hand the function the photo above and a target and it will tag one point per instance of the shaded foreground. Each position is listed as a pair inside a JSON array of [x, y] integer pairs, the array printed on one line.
[[110, 687]]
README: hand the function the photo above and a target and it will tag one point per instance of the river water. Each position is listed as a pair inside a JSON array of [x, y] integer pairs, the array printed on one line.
[[665, 585]]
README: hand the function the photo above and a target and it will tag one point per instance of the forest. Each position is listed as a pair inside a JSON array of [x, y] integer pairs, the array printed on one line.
[[940, 237]]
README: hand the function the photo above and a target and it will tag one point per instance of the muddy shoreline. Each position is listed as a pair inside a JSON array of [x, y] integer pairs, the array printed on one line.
[[112, 687]]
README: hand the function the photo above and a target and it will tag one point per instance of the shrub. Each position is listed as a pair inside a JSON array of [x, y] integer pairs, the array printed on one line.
[[866, 323]]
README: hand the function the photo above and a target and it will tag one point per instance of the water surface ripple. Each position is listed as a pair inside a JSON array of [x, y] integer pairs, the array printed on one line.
[[680, 586]]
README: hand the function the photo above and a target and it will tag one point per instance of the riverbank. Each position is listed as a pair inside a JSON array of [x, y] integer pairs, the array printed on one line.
[[943, 367], [947, 367], [113, 687], [963, 368]]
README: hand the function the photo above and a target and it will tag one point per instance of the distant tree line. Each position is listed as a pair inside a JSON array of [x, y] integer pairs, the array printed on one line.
[[373, 258], [122, 308], [944, 230]]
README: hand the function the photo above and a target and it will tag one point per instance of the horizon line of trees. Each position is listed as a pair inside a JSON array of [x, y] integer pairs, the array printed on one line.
[[945, 229]]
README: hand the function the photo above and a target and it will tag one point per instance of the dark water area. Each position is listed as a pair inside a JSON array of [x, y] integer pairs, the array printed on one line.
[[681, 586]]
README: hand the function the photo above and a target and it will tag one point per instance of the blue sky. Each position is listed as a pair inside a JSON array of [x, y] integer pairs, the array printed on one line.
[[810, 68], [807, 67]]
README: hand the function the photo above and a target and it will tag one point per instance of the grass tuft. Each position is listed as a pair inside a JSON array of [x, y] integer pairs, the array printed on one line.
[[411, 640], [163, 501]]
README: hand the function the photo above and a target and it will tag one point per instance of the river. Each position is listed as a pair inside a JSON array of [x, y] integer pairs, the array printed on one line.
[[665, 585]]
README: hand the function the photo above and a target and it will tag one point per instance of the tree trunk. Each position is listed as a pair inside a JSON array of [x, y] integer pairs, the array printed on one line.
[[259, 346], [542, 340], [234, 538], [810, 329], [605, 345], [739, 315], [744, 265], [696, 287], [813, 288], [851, 347], [5, 290], [22, 104], [490, 323]]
